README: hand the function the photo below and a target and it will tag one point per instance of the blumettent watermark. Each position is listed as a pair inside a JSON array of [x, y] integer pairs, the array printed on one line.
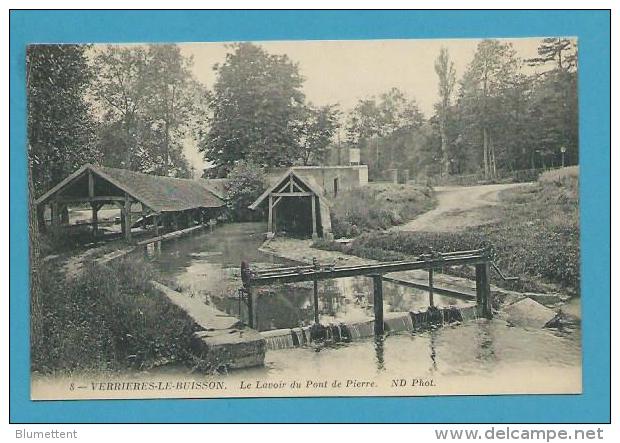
[[47, 435]]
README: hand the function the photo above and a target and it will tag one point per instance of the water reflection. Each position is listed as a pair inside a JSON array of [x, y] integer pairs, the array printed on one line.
[[206, 265], [380, 352], [433, 349], [486, 344]]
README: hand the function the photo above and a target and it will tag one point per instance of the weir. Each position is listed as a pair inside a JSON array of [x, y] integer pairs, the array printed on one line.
[[480, 258], [394, 322]]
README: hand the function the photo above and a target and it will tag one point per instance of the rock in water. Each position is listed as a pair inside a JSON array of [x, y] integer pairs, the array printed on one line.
[[528, 313]]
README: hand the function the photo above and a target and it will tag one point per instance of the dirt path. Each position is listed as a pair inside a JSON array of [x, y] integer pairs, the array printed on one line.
[[458, 207]]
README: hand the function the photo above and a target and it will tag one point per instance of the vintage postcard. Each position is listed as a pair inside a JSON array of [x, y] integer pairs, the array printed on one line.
[[304, 218]]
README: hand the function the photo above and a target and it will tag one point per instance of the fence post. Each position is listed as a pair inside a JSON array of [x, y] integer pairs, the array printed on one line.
[[431, 301], [316, 266], [377, 281], [483, 290], [246, 278]]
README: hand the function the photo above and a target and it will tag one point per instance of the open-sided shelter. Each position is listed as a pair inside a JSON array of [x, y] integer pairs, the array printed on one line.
[[296, 204], [171, 201]]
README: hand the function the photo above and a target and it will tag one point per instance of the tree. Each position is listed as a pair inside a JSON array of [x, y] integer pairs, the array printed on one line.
[[482, 86], [561, 51], [120, 89], [447, 78], [170, 105], [61, 127], [255, 110], [381, 126], [246, 182], [316, 131], [554, 99], [147, 96]]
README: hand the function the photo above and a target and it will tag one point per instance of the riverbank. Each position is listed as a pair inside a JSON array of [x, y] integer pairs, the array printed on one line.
[[533, 231], [378, 206], [107, 317]]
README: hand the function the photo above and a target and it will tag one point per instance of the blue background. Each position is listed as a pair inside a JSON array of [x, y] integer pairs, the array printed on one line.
[[593, 30]]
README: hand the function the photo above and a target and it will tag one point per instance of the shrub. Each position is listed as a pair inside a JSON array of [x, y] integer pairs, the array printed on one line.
[[246, 182], [378, 207], [536, 239], [108, 317]]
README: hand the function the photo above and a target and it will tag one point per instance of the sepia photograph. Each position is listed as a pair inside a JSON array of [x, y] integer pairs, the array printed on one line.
[[304, 218]]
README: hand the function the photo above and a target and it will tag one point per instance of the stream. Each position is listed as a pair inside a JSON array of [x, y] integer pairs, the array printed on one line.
[[207, 265]]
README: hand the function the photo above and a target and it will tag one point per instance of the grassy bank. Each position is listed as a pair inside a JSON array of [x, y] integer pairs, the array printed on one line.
[[107, 318], [536, 237], [378, 207]]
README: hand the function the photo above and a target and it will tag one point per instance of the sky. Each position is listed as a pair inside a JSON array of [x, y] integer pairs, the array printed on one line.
[[344, 71]]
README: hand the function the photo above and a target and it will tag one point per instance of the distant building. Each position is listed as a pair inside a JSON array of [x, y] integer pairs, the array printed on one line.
[[331, 179]]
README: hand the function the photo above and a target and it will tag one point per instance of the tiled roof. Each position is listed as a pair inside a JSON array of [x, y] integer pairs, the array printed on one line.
[[161, 194]]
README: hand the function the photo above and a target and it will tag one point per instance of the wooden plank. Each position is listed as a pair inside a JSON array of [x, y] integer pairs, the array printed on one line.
[[292, 194], [350, 271], [270, 219], [313, 199], [98, 198], [91, 184], [169, 235]]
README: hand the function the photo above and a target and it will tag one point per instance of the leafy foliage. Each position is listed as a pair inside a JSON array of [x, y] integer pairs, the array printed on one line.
[[246, 182], [316, 130], [257, 101], [149, 101], [537, 238], [497, 117], [108, 318], [377, 207], [61, 127]]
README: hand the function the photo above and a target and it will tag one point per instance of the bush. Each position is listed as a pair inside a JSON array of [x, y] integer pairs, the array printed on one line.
[[537, 238], [246, 182], [377, 207], [108, 318]]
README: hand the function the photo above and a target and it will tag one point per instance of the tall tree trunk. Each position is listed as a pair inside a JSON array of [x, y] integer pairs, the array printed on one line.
[[166, 149], [36, 317], [485, 151], [445, 161]]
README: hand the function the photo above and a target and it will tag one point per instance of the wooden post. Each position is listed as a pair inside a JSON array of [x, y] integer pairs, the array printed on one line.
[[314, 234], [55, 209], [316, 302], [431, 301], [156, 222], [127, 218], [317, 267], [377, 281], [250, 307], [483, 290], [91, 184], [95, 209], [41, 218], [270, 219], [64, 214], [190, 219]]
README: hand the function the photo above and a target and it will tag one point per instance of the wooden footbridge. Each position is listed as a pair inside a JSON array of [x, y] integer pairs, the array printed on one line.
[[480, 258]]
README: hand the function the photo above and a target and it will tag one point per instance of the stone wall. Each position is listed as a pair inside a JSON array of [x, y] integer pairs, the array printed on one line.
[[328, 177]]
